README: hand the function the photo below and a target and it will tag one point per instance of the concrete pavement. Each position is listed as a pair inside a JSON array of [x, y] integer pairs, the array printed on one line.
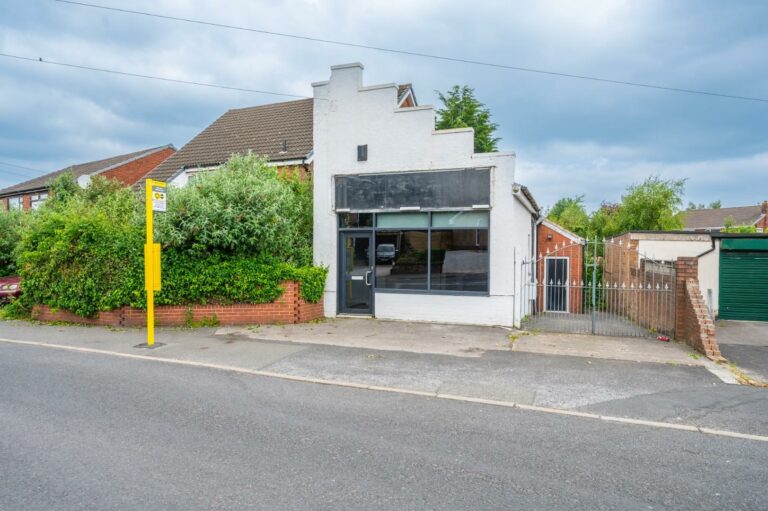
[[565, 382], [464, 340], [86, 431], [745, 344]]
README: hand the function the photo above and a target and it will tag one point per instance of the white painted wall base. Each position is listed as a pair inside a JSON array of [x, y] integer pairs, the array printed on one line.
[[468, 310]]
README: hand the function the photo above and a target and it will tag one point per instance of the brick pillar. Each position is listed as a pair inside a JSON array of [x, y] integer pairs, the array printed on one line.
[[685, 268]]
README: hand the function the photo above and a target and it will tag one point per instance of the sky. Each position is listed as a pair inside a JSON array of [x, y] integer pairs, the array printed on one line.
[[572, 137]]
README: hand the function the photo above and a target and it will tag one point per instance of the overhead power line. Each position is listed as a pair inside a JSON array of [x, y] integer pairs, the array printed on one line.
[[19, 166], [150, 77], [420, 54], [18, 174]]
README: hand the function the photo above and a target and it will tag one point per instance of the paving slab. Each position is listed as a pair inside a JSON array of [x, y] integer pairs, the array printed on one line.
[[745, 343], [614, 348], [415, 337], [748, 333]]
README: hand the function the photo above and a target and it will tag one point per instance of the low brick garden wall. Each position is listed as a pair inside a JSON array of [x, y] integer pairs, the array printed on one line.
[[289, 308]]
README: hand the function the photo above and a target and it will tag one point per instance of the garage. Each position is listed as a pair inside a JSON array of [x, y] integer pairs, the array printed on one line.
[[744, 279]]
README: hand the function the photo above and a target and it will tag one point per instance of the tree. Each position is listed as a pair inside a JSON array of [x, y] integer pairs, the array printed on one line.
[[569, 212], [652, 205], [462, 110], [602, 222], [692, 206]]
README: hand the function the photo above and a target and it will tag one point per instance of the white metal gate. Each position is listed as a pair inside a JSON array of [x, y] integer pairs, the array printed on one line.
[[599, 287]]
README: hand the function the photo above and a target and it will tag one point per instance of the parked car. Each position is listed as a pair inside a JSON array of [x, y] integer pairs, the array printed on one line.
[[385, 253], [10, 287]]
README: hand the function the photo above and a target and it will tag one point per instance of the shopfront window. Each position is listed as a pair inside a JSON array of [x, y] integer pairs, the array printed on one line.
[[430, 228], [355, 220], [441, 251], [459, 260], [402, 259]]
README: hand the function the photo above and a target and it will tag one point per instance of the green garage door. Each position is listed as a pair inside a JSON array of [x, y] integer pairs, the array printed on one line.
[[743, 283]]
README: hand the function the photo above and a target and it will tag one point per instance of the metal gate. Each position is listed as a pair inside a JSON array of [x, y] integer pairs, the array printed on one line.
[[599, 287]]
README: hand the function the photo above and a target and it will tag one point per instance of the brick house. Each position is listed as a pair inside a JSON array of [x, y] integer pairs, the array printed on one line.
[[560, 268], [280, 132], [714, 220], [127, 168]]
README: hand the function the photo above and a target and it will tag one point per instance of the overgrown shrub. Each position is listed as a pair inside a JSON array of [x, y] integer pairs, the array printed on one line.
[[11, 226], [228, 237], [83, 252], [244, 208]]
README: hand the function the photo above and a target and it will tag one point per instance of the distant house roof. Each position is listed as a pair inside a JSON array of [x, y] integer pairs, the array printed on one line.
[[81, 169], [703, 219], [278, 131]]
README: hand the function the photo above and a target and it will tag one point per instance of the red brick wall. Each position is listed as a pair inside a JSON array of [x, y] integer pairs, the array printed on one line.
[[289, 308], [304, 171], [26, 201], [561, 246], [128, 174], [693, 323], [763, 224], [132, 172], [628, 276]]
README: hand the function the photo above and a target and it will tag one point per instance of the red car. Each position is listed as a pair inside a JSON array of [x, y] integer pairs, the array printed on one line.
[[10, 287]]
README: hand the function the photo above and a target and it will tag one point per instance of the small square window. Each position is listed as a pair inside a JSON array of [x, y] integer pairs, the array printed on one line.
[[362, 152]]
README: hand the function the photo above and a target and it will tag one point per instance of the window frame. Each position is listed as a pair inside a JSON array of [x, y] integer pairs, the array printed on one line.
[[428, 229], [17, 207], [37, 199]]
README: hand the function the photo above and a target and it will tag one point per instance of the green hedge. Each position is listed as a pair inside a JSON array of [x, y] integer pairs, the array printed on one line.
[[83, 255], [111, 282], [83, 250], [215, 279]]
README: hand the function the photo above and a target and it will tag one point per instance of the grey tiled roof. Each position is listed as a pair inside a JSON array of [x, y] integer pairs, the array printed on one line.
[[715, 218], [78, 170], [279, 131]]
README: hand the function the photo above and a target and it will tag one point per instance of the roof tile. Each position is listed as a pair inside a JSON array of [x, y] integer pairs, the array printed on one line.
[[262, 130], [715, 218], [78, 170]]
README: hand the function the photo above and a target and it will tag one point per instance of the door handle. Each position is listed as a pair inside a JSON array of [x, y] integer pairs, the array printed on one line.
[[367, 280]]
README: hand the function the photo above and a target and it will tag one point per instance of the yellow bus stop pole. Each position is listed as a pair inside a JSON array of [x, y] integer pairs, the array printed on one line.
[[149, 269]]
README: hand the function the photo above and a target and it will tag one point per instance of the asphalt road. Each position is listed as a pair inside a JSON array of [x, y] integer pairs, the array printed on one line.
[[87, 431]]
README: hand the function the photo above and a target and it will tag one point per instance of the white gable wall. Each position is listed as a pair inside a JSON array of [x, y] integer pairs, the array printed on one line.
[[347, 114]]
